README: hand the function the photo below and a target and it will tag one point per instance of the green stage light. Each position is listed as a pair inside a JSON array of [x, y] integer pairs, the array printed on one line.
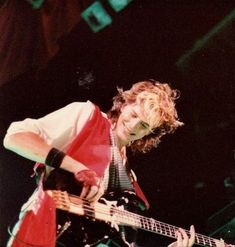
[[118, 5], [96, 17], [36, 4]]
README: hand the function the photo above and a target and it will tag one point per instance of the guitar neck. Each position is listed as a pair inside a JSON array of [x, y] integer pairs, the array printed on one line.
[[123, 217], [118, 216], [152, 225]]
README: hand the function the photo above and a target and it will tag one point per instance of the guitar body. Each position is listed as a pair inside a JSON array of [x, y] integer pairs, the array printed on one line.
[[84, 230]]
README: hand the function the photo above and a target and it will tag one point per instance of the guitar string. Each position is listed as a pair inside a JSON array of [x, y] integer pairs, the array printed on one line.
[[152, 224]]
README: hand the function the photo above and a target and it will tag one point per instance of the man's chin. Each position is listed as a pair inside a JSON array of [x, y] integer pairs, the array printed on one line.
[[123, 140]]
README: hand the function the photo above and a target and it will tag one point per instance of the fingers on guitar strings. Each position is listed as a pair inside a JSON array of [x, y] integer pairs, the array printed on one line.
[[92, 193], [183, 240]]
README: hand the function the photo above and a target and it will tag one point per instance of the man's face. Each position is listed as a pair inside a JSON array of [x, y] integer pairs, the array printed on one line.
[[132, 124]]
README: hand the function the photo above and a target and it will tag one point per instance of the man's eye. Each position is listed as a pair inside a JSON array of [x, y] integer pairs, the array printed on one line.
[[144, 125]]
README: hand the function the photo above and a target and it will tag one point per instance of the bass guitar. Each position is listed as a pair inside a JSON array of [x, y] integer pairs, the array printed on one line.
[[117, 216]]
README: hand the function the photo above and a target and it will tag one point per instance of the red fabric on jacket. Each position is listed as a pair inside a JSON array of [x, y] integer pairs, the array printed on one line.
[[92, 145], [38, 225]]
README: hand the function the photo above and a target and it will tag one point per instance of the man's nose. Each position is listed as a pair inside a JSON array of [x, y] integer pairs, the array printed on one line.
[[135, 124]]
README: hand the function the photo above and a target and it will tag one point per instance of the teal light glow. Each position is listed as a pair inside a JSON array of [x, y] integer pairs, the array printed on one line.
[[119, 5], [96, 17], [36, 4]]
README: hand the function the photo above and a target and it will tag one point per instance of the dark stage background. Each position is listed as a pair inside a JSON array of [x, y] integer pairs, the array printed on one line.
[[191, 176]]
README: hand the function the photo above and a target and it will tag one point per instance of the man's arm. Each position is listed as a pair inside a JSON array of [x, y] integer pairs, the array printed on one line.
[[33, 147]]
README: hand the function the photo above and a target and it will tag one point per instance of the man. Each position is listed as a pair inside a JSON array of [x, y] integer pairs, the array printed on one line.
[[80, 145]]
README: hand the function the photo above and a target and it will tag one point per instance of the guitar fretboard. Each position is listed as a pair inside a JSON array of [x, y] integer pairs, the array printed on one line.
[[152, 225]]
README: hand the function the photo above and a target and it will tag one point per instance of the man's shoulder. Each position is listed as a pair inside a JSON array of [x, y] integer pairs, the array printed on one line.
[[81, 106], [87, 103]]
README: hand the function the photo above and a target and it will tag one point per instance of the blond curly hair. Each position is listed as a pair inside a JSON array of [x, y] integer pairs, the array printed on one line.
[[158, 101]]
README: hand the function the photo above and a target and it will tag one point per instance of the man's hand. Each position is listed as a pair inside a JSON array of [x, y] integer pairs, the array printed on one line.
[[92, 187], [221, 243], [183, 240]]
